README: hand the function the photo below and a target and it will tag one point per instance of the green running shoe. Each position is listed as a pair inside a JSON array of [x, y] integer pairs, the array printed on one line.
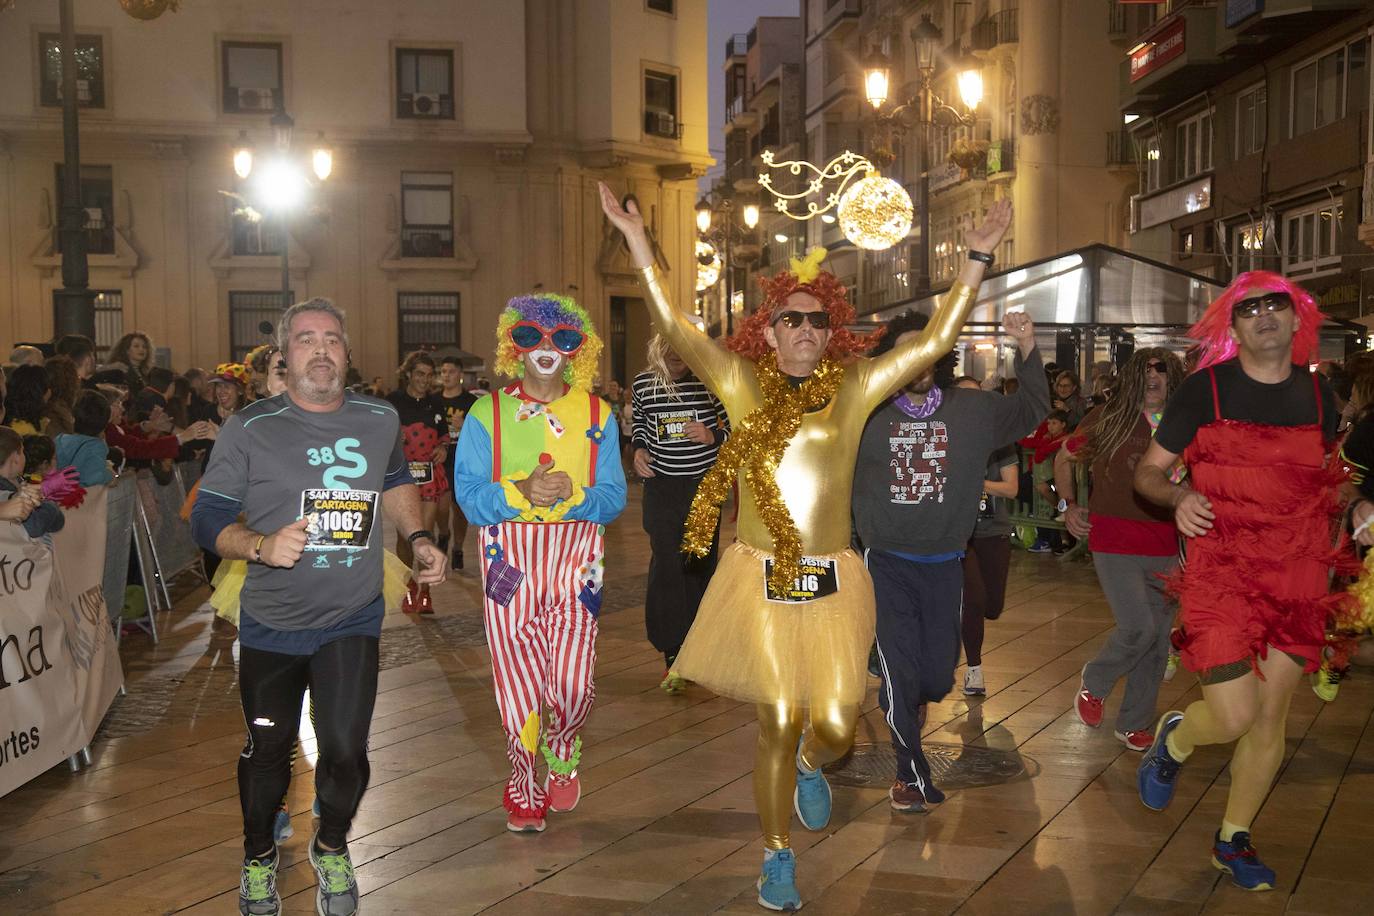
[[258, 887], [338, 888], [1326, 682]]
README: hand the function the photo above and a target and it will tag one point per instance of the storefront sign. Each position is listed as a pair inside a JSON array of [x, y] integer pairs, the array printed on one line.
[[1237, 11], [1173, 203], [1164, 46]]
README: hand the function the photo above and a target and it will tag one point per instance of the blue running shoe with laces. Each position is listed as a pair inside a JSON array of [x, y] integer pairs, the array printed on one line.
[[338, 888], [1239, 859], [811, 799], [1158, 770], [778, 882], [281, 826], [258, 887]]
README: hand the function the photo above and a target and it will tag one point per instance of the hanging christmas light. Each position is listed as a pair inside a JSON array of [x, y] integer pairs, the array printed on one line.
[[875, 212]]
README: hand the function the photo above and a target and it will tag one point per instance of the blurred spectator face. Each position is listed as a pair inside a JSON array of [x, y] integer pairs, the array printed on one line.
[[226, 395], [138, 350], [450, 376], [1010, 386], [1055, 427], [1065, 386], [613, 390], [276, 375], [13, 466]]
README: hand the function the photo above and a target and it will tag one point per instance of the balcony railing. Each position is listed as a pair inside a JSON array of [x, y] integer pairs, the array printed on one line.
[[737, 44], [1121, 148], [734, 109], [996, 29], [1001, 158]]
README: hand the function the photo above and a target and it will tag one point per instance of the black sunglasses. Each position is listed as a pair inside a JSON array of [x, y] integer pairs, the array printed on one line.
[[1272, 302], [1158, 365], [818, 320]]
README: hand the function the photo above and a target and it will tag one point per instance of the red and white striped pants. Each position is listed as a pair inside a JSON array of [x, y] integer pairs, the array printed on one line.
[[543, 642]]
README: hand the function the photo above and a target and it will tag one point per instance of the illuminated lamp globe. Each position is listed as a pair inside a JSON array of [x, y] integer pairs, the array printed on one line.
[[708, 265], [875, 213]]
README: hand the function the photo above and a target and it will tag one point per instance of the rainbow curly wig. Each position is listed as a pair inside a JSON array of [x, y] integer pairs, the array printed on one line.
[[548, 310], [804, 276], [1213, 330]]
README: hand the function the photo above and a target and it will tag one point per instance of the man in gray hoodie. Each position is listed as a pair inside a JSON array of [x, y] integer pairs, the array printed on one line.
[[920, 472]]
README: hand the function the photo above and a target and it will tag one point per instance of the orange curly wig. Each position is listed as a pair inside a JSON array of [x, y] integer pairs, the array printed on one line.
[[844, 344]]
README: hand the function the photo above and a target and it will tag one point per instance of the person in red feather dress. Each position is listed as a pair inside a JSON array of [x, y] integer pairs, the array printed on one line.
[[1256, 429]]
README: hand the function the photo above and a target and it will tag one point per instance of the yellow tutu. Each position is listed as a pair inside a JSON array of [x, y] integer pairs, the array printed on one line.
[[229, 578], [751, 649]]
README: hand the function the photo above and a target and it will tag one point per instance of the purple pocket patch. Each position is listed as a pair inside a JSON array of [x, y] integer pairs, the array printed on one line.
[[502, 582]]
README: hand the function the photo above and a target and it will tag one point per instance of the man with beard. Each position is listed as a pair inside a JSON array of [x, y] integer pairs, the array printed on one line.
[[310, 470], [539, 470], [1133, 543], [922, 461], [1255, 429]]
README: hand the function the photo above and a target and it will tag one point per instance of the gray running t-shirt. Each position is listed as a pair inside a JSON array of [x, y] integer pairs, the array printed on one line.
[[268, 458]]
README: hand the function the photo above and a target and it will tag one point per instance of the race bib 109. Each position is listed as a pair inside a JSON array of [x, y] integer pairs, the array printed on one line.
[[672, 427], [338, 519], [817, 578]]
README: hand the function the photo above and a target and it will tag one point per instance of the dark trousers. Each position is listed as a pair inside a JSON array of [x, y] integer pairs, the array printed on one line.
[[918, 648], [985, 589], [676, 580], [342, 677]]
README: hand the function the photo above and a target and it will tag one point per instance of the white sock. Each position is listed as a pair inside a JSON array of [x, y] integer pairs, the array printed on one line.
[[768, 854]]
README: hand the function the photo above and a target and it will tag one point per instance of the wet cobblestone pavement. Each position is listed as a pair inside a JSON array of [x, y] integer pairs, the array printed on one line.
[[211, 685]]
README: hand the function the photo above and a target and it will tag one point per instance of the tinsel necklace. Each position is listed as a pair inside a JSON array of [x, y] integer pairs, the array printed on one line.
[[756, 446]]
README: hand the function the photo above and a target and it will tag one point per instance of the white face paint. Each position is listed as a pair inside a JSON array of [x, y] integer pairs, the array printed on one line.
[[545, 363]]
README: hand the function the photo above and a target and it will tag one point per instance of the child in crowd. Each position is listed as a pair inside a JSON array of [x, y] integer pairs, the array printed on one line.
[[85, 449], [1042, 445], [42, 517]]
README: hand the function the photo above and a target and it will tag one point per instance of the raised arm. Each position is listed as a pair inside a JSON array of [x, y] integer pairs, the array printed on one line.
[[883, 376], [712, 363]]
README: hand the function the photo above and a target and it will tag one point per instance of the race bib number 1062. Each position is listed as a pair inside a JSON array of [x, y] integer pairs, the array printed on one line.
[[338, 519]]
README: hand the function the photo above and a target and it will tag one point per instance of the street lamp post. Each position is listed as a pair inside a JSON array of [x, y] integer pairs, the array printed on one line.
[[281, 181], [922, 112], [73, 304], [725, 234]]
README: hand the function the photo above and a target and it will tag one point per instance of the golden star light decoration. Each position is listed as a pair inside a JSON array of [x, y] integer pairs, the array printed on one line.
[[874, 212]]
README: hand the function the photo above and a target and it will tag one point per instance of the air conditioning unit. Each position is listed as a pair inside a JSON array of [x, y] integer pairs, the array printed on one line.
[[95, 218], [661, 123], [426, 105], [256, 100]]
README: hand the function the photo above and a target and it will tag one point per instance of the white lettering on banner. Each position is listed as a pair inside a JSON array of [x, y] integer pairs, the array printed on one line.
[[59, 670], [917, 463]]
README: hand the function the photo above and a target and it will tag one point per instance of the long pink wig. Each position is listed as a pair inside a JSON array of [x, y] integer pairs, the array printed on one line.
[[1213, 330]]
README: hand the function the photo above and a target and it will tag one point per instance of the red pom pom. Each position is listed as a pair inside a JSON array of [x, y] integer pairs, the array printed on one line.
[[545, 458]]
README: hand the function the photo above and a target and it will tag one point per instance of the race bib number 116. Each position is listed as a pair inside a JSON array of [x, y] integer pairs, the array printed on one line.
[[818, 577]]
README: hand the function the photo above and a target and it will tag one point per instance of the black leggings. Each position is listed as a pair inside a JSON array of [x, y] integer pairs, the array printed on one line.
[[985, 590], [342, 677]]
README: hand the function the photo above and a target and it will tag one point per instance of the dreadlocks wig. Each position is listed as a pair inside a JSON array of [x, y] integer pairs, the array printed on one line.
[[549, 310], [1122, 410], [804, 276], [1213, 330]]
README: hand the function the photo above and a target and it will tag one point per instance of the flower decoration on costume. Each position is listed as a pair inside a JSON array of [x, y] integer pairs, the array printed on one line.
[[1213, 330], [595, 434], [494, 553], [549, 310]]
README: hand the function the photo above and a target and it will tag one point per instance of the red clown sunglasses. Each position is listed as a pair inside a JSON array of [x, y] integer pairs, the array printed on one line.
[[528, 335]]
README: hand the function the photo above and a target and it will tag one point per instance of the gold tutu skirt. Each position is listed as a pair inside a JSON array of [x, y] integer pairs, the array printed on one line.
[[751, 649], [230, 576]]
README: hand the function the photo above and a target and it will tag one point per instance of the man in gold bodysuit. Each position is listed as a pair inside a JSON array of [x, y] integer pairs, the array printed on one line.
[[787, 620]]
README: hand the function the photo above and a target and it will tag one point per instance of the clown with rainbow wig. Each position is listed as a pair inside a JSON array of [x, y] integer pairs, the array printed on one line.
[[1256, 428], [538, 470], [787, 620]]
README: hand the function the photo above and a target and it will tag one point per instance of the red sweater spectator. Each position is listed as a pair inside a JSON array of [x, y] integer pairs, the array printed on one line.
[[139, 447]]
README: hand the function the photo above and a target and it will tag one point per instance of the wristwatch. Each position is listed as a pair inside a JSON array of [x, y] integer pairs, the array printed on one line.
[[1063, 506]]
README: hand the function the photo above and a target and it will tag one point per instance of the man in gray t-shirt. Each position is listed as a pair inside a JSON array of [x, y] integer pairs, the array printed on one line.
[[310, 472]]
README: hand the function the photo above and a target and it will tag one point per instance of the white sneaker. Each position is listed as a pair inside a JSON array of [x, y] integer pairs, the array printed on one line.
[[1171, 668], [973, 682]]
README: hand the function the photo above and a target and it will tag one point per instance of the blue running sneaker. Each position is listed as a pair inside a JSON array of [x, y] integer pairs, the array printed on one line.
[[811, 799], [315, 807], [258, 887], [281, 826], [1158, 770], [778, 882], [1239, 859]]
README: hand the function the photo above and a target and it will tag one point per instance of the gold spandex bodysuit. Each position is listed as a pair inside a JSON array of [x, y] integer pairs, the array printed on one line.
[[814, 477], [817, 469]]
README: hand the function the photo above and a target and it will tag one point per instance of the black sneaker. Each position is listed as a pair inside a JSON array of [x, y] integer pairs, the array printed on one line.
[[457, 559]]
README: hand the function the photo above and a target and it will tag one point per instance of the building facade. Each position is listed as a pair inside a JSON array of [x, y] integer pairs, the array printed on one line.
[[1252, 122], [1046, 133], [467, 142]]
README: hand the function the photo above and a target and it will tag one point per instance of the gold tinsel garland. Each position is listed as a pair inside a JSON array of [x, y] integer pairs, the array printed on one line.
[[756, 446], [1361, 617]]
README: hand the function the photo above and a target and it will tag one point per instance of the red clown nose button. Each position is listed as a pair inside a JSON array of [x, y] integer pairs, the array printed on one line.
[[545, 458]]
